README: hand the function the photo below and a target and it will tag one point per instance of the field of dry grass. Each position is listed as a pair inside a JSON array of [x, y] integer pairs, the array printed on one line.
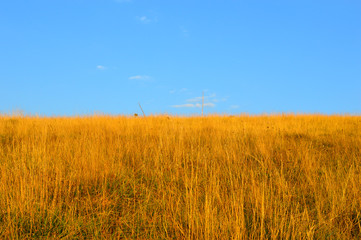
[[217, 177]]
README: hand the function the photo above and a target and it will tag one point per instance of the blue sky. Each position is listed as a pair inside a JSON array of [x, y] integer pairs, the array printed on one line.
[[70, 57]]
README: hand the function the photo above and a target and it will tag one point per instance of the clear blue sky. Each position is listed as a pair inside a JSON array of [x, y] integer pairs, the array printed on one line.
[[67, 57]]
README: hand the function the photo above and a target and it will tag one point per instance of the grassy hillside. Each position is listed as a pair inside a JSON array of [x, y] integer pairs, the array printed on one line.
[[164, 177]]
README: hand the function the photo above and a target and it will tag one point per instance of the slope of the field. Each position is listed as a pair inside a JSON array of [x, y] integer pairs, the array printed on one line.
[[164, 177]]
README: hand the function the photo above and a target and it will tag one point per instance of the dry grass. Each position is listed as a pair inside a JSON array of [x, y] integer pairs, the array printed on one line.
[[218, 177]]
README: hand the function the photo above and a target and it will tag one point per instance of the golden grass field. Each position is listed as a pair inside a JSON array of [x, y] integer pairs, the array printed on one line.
[[214, 177]]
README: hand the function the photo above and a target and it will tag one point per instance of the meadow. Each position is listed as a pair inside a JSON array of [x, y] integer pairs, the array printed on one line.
[[173, 177]]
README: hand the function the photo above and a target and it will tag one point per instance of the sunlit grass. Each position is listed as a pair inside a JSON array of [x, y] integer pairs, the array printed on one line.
[[164, 177]]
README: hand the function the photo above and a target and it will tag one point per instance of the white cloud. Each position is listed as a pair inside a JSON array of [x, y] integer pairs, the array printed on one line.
[[207, 98], [196, 99], [139, 77], [187, 105], [198, 105], [184, 31], [144, 19], [194, 105], [151, 17], [100, 67], [179, 91], [234, 106], [221, 99], [196, 102]]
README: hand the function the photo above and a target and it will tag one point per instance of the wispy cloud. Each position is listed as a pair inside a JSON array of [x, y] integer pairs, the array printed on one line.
[[234, 106], [206, 105], [139, 77], [194, 105], [146, 19], [206, 98], [187, 105], [100, 67], [195, 99], [220, 99], [184, 31], [149, 17], [180, 91], [196, 102]]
